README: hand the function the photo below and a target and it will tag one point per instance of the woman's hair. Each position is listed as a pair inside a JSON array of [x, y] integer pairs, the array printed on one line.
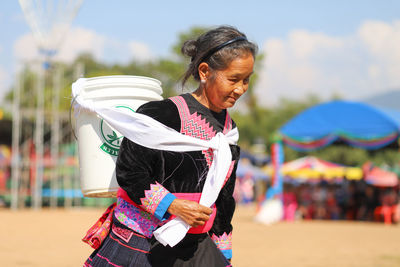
[[217, 47]]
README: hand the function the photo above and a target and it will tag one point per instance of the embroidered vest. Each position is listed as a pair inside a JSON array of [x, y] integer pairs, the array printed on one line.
[[143, 222]]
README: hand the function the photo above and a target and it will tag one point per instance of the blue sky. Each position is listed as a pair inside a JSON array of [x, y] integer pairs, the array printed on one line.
[[350, 48]]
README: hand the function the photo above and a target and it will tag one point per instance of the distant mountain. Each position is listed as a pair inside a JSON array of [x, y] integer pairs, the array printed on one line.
[[389, 99]]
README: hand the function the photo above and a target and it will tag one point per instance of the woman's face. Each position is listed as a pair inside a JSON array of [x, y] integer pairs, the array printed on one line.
[[224, 87]]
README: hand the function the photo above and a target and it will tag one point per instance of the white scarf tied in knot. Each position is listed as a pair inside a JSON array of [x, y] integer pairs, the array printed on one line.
[[150, 133]]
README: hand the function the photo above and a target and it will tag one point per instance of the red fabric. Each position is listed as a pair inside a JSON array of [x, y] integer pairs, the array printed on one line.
[[122, 194], [202, 228], [98, 232], [188, 196]]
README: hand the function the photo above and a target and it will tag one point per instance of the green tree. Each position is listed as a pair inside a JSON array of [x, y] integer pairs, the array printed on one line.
[[268, 120]]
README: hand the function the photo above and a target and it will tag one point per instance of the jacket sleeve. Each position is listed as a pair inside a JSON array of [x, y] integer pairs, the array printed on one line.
[[138, 167], [221, 231]]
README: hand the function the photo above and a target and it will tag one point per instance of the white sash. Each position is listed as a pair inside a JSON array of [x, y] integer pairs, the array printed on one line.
[[150, 133]]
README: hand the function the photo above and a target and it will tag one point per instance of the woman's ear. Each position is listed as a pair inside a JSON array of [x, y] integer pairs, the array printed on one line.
[[204, 71]]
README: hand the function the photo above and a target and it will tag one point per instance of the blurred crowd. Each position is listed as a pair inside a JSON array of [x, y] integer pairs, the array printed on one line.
[[348, 200]]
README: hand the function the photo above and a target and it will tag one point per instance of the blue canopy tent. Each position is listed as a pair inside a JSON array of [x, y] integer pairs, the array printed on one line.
[[355, 123]]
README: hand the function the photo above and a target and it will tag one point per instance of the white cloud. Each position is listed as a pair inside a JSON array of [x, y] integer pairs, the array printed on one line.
[[382, 43], [80, 40], [76, 41], [25, 48], [354, 66], [117, 51], [140, 51]]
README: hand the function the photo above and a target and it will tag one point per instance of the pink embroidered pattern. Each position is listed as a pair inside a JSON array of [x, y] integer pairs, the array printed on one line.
[[229, 172], [135, 218], [228, 123], [224, 241], [194, 125], [209, 155], [197, 126], [124, 234], [153, 197]]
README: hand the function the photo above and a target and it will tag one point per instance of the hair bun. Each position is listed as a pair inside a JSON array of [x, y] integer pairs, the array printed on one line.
[[189, 48]]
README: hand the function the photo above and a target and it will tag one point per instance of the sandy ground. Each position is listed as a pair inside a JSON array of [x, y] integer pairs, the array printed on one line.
[[52, 238]]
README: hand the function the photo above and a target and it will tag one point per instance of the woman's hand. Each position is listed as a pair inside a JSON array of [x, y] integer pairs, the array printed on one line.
[[191, 212]]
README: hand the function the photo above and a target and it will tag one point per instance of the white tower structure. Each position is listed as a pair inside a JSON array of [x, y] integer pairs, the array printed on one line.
[[49, 21]]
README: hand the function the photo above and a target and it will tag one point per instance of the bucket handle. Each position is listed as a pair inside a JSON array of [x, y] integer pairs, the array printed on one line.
[[70, 117]]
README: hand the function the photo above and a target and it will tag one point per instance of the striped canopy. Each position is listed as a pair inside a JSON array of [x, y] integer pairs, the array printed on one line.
[[358, 124]]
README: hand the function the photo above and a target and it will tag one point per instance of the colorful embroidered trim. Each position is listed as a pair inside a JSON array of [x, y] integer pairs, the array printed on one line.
[[224, 241], [196, 126], [228, 123], [122, 233], [185, 115], [153, 197], [98, 232], [229, 172], [135, 218], [192, 124]]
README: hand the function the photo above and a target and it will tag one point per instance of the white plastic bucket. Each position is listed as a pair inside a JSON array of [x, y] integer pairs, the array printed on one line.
[[98, 143]]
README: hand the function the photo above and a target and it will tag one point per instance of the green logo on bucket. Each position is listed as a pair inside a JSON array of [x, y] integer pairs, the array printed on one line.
[[112, 141]]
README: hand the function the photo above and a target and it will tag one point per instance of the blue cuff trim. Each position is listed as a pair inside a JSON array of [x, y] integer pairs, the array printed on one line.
[[161, 211], [227, 253]]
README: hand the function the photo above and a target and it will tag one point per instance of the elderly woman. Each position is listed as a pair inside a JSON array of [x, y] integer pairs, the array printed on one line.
[[158, 185]]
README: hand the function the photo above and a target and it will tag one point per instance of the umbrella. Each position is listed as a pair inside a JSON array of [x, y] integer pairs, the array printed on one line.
[[379, 177], [312, 169], [246, 168]]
